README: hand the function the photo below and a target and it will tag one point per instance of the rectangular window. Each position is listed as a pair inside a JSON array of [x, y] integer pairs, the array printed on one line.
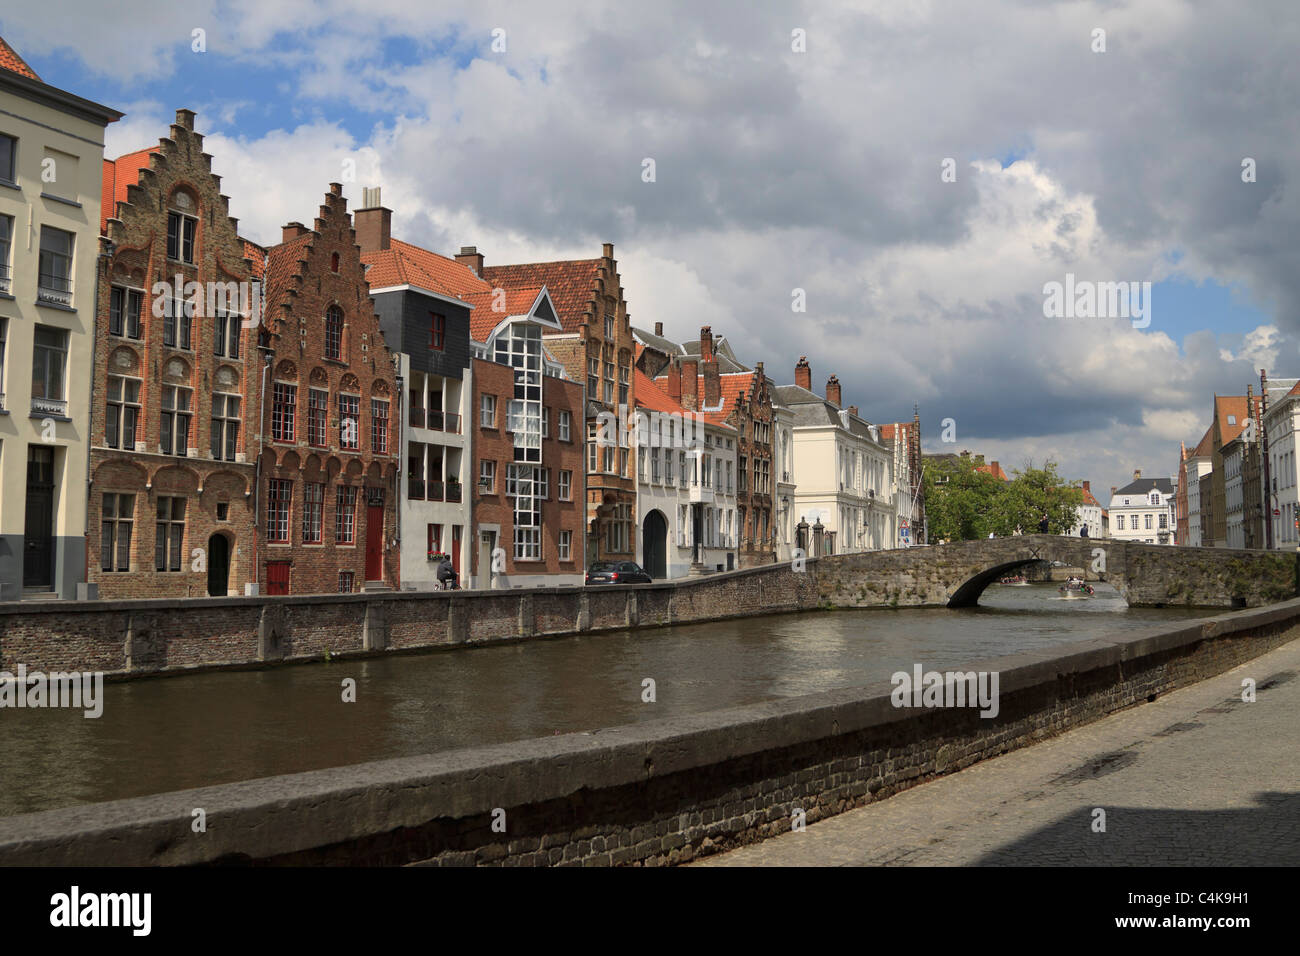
[[174, 424], [345, 513], [123, 412], [55, 277], [334, 333], [124, 308], [609, 326], [624, 375], [487, 477], [346, 582], [487, 411], [180, 237], [317, 409], [528, 543], [284, 406], [349, 421], [225, 334], [6, 241], [225, 426], [8, 158], [313, 502], [564, 547], [1146, 522], [593, 378], [170, 537], [49, 363], [278, 494], [565, 425], [118, 519], [178, 321], [1119, 522], [4, 331], [543, 486], [565, 486], [437, 331], [546, 421], [378, 426]]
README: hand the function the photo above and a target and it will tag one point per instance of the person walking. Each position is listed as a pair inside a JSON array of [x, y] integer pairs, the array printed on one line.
[[1042, 525]]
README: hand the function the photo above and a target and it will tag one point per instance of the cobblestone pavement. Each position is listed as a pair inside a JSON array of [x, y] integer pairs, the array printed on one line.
[[1197, 777]]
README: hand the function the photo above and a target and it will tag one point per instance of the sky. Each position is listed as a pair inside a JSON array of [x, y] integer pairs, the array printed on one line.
[[795, 146]]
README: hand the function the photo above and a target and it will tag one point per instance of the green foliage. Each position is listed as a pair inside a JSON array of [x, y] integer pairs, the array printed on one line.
[[963, 504]]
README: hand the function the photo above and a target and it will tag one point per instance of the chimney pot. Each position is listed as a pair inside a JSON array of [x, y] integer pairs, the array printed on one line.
[[373, 224], [659, 328], [608, 250], [1086, 486], [1137, 473], [336, 189], [706, 344], [292, 230], [853, 410]]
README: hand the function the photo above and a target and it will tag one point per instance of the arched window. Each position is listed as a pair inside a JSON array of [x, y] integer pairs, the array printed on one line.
[[334, 332]]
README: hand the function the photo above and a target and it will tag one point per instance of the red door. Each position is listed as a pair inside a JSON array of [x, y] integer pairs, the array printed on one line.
[[375, 534], [277, 577], [455, 550]]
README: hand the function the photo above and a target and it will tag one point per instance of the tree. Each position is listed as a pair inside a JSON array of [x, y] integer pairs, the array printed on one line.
[[963, 503]]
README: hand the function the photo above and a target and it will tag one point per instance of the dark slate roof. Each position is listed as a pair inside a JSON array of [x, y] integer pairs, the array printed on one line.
[[1144, 486], [664, 345]]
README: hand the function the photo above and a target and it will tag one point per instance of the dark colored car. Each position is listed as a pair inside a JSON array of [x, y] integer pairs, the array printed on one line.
[[617, 572]]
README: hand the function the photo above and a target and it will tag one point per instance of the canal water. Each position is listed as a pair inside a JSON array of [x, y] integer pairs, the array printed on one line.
[[175, 733]]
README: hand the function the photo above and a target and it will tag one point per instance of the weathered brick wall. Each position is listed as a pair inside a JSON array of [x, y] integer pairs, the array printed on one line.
[[655, 793]]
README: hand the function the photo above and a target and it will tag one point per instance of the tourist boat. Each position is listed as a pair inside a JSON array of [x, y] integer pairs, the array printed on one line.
[[1015, 581], [1076, 589]]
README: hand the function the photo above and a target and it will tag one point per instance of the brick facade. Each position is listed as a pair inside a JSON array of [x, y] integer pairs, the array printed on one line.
[[327, 358], [164, 458]]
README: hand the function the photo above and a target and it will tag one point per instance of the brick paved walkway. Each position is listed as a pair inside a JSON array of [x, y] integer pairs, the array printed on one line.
[[1198, 777]]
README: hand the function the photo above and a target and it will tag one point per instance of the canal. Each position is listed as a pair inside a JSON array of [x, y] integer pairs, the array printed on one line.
[[174, 733]]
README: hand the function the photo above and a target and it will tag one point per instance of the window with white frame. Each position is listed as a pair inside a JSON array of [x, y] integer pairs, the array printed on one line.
[[123, 412], [225, 426], [174, 422], [564, 486], [117, 521], [487, 411], [124, 310], [487, 476], [565, 425], [564, 546]]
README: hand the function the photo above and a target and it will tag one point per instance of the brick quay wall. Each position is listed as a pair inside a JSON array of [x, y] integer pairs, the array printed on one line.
[[657, 793]]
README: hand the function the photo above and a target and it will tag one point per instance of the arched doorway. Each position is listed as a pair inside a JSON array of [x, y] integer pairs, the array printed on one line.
[[654, 543], [218, 565]]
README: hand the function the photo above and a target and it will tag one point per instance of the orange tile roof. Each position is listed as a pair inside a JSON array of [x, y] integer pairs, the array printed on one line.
[[570, 282], [118, 174], [256, 253], [993, 469], [1205, 447], [650, 395], [1225, 405], [11, 61], [281, 266], [485, 318], [406, 264], [1088, 498]]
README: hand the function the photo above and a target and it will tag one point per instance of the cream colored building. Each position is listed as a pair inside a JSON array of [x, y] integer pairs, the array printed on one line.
[[51, 158], [842, 470]]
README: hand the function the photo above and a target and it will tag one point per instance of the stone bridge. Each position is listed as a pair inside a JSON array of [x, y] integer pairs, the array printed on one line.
[[1147, 575]]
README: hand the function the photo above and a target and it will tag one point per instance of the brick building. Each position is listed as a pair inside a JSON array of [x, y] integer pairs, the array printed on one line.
[[327, 494], [176, 380], [594, 343]]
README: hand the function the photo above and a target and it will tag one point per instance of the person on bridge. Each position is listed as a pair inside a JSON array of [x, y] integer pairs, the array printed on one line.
[[1042, 525], [1083, 531]]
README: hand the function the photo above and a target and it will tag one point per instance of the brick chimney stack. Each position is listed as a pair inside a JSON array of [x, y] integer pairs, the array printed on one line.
[[659, 329], [690, 384], [1137, 473], [1087, 487], [374, 223], [833, 391], [292, 230], [803, 373], [853, 410], [712, 385], [675, 382], [471, 257], [706, 344]]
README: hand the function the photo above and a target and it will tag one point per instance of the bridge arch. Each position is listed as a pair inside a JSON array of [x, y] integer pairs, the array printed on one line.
[[968, 593]]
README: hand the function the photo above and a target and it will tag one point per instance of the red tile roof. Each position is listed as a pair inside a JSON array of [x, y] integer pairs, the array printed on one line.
[[257, 254], [1234, 405], [281, 266], [1205, 448], [994, 469], [405, 264], [118, 174], [485, 318], [650, 395], [570, 282], [11, 61], [1088, 498]]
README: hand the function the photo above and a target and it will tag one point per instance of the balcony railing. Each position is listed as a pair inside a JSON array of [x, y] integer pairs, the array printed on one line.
[[55, 290], [417, 417], [435, 420], [415, 489], [49, 406], [4, 279], [453, 492], [436, 491]]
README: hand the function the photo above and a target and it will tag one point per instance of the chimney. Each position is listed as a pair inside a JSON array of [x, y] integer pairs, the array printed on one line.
[[1113, 489], [1087, 488], [712, 385], [336, 189], [374, 223], [690, 384], [292, 230], [706, 344], [1137, 473], [853, 410], [659, 329], [803, 373], [185, 119], [833, 391], [675, 382], [471, 257]]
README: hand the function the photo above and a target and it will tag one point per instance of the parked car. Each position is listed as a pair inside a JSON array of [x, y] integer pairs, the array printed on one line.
[[617, 572]]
